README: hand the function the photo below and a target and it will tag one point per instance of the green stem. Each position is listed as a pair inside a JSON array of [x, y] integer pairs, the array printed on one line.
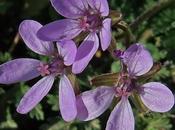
[[138, 103]]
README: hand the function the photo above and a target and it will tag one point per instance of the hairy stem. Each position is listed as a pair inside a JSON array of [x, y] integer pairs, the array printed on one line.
[[129, 37]]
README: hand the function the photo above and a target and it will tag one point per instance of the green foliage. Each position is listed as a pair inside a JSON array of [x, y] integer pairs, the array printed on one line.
[[5, 57], [156, 52], [152, 121], [9, 123], [53, 101], [58, 124], [115, 67], [37, 113], [2, 91]]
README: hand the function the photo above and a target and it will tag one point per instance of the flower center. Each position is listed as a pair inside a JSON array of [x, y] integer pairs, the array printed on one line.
[[122, 91], [55, 67], [124, 79], [43, 69], [91, 21], [124, 86]]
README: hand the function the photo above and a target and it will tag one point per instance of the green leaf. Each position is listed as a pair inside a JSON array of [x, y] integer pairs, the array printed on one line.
[[115, 67], [5, 57], [9, 123], [37, 113], [53, 101], [55, 124]]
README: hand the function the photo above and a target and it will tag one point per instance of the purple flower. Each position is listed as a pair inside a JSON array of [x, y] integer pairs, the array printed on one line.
[[81, 16], [24, 69], [156, 96]]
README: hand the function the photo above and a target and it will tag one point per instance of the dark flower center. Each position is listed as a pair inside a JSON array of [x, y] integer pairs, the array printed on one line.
[[91, 21], [55, 67]]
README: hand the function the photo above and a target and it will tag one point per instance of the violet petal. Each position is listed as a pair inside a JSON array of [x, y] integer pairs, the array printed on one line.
[[82, 112], [64, 29], [95, 102], [157, 97], [22, 69], [35, 94], [67, 100], [67, 49], [101, 5], [70, 8], [122, 117], [85, 53], [138, 60], [105, 34], [28, 30]]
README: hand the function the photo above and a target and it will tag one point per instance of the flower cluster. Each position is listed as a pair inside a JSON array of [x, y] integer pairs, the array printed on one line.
[[155, 96], [25, 69], [82, 16], [56, 41]]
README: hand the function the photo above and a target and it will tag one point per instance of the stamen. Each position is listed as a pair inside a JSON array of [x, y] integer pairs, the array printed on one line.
[[122, 91], [43, 69], [83, 23]]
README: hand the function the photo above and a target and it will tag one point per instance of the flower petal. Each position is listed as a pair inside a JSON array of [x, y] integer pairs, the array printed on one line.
[[101, 5], [138, 60], [95, 102], [105, 34], [22, 69], [157, 97], [70, 8], [28, 30], [64, 29], [82, 112], [67, 49], [35, 94], [85, 53], [122, 117], [67, 100]]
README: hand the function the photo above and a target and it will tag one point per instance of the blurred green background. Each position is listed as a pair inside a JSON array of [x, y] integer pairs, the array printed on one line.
[[157, 34]]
